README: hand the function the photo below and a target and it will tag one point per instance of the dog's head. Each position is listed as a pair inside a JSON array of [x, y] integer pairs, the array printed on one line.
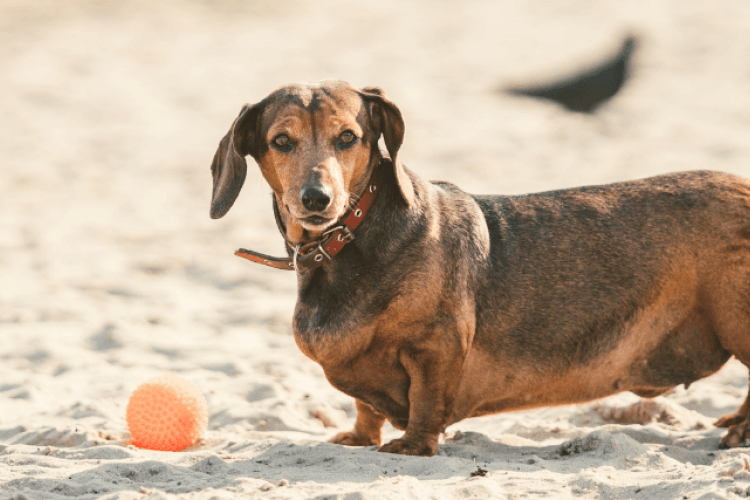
[[316, 145]]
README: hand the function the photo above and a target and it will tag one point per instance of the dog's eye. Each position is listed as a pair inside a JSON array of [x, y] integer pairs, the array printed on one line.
[[347, 136], [281, 142], [345, 140]]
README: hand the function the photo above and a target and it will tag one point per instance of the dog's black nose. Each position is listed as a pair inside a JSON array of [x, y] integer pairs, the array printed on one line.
[[316, 198]]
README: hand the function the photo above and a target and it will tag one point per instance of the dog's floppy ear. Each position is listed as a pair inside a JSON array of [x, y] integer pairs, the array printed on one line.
[[387, 120], [229, 167]]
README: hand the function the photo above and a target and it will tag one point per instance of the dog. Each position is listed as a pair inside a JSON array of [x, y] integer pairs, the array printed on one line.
[[429, 305]]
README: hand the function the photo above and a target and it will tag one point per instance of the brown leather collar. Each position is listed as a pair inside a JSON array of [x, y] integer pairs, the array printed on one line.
[[317, 252]]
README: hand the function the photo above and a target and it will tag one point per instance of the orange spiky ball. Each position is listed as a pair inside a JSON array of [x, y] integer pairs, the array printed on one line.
[[166, 413]]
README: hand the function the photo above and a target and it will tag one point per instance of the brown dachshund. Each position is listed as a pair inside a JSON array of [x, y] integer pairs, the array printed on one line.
[[429, 305]]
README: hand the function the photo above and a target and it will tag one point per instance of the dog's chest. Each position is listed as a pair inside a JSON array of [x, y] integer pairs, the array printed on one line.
[[376, 377], [361, 360], [325, 337], [339, 341], [337, 313]]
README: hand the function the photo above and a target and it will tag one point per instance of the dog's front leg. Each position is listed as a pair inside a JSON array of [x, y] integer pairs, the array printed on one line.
[[367, 428], [434, 376]]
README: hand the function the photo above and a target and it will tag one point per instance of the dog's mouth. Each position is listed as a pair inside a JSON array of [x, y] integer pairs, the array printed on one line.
[[316, 222]]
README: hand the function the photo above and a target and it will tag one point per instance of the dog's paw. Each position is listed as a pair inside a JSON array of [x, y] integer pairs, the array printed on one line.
[[731, 419], [736, 435], [351, 438], [405, 447]]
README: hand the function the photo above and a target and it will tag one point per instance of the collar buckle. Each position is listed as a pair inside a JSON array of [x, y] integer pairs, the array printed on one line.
[[345, 236]]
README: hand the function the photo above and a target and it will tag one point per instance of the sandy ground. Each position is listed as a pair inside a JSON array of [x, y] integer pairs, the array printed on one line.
[[111, 271]]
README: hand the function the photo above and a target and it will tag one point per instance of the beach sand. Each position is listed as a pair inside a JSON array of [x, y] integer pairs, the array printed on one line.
[[112, 272]]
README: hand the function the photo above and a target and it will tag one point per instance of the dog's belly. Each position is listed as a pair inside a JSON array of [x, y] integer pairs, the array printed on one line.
[[670, 342], [513, 390]]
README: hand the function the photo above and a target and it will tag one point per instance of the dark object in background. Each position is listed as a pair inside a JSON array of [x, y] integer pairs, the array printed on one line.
[[585, 91]]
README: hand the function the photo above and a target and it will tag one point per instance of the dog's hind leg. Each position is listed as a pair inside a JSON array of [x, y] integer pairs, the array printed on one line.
[[732, 322], [738, 424], [367, 428]]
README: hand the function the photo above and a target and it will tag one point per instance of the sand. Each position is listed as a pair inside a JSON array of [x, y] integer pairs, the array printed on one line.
[[111, 271]]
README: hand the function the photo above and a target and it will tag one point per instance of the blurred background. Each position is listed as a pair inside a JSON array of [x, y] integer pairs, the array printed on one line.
[[111, 112]]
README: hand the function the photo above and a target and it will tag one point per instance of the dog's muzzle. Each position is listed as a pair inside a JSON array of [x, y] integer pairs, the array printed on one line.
[[316, 253]]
